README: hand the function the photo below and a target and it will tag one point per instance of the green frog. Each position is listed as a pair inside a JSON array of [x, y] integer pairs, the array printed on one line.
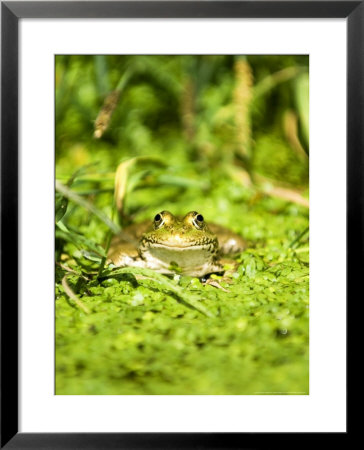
[[170, 245]]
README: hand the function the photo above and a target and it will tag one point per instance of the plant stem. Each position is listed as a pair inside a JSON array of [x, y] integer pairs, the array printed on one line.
[[298, 238]]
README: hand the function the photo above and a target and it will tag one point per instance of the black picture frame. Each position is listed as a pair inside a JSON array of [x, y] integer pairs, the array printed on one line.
[[11, 12]]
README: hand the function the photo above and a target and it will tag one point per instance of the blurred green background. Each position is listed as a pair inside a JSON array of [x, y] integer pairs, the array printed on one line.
[[226, 136]]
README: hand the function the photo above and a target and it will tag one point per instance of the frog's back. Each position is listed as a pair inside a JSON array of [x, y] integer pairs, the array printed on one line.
[[229, 242]]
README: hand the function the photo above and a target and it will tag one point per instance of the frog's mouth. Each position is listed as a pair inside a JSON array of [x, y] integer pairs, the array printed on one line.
[[182, 247], [190, 259]]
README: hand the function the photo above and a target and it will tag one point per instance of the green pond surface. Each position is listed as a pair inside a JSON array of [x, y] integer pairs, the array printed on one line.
[[140, 338]]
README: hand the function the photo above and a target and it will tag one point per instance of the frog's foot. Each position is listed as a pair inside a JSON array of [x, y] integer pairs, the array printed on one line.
[[214, 279], [215, 283], [230, 268], [124, 260], [223, 276]]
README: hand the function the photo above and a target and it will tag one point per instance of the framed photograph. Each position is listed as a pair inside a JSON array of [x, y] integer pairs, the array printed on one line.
[[181, 197]]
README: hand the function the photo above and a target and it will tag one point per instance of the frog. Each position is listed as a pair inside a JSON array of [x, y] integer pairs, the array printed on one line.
[[172, 244]]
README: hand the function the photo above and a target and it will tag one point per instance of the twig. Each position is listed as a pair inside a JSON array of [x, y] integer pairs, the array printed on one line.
[[286, 194], [73, 296], [68, 269], [265, 185]]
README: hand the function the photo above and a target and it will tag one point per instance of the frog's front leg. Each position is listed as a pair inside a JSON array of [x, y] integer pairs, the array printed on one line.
[[124, 255], [228, 267]]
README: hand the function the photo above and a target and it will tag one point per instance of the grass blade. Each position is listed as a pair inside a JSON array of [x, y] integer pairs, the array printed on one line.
[[165, 284], [71, 195]]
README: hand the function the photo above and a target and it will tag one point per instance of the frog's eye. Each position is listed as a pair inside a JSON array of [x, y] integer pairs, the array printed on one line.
[[158, 221], [198, 221]]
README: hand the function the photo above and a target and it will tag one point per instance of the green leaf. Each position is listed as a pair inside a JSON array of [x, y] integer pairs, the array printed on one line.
[[61, 200], [71, 195], [79, 241], [302, 101], [61, 207]]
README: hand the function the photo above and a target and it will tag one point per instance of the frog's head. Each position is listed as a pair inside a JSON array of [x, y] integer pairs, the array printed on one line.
[[184, 244]]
